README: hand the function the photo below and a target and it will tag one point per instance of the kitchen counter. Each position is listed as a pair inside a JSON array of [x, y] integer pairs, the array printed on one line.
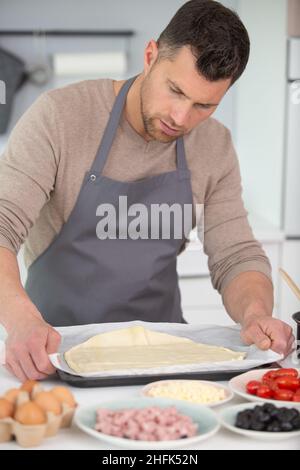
[[73, 438]]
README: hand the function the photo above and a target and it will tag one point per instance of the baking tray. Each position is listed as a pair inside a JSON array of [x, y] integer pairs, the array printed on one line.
[[116, 381]]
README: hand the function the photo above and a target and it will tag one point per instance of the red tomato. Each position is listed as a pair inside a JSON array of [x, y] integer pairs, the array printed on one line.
[[283, 395], [252, 387], [269, 375], [272, 374], [264, 392], [267, 380], [296, 397], [287, 382], [289, 372], [271, 383]]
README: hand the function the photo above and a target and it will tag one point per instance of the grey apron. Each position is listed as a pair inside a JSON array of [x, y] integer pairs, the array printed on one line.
[[81, 279]]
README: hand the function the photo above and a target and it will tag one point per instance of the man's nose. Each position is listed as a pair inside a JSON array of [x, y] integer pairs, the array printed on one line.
[[180, 115]]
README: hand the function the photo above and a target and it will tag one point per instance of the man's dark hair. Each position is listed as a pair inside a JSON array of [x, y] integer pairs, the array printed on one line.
[[216, 35]]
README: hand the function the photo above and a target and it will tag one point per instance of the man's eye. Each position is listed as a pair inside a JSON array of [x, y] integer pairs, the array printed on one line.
[[175, 91], [202, 106]]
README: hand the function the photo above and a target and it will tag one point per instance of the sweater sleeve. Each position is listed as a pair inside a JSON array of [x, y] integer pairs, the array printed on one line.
[[28, 167], [228, 238]]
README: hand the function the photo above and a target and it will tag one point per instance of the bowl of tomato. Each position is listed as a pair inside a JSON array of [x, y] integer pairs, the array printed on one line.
[[274, 385]]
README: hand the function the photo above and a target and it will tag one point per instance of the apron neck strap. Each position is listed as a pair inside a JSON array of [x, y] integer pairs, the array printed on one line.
[[180, 155]]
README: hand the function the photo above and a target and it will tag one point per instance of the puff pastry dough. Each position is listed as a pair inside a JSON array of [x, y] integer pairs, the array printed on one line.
[[138, 347]]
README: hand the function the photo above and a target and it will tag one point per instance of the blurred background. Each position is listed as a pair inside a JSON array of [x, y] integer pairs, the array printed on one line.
[[47, 44]]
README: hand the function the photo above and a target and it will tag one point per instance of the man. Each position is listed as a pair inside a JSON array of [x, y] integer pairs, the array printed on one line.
[[158, 145]]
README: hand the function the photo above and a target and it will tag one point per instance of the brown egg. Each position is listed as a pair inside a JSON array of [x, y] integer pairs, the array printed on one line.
[[28, 385], [64, 395], [6, 408], [48, 402], [30, 413], [12, 395]]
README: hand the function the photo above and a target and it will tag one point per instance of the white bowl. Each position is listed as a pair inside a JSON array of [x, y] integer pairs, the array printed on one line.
[[238, 385], [228, 416], [206, 419], [228, 393]]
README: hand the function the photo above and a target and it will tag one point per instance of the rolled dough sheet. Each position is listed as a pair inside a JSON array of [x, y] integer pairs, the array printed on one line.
[[138, 347]]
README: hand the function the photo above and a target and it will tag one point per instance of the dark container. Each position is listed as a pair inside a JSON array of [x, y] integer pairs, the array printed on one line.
[[296, 317]]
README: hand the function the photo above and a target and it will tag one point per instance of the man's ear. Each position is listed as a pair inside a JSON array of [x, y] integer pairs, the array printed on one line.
[[150, 55]]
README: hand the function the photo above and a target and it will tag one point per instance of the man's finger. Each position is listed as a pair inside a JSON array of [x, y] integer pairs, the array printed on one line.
[[15, 369], [41, 360], [53, 341], [28, 366], [290, 346], [280, 345], [263, 342], [254, 335]]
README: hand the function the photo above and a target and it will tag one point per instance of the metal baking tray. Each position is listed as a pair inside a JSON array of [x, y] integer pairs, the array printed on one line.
[[89, 382]]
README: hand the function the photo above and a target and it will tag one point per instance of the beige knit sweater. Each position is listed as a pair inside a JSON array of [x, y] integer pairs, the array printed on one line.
[[55, 142]]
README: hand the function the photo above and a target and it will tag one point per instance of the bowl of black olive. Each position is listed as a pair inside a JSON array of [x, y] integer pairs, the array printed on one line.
[[265, 421]]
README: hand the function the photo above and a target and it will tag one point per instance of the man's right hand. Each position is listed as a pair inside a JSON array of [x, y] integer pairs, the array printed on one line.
[[28, 344]]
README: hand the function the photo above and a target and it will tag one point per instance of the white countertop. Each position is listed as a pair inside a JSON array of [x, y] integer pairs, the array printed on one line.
[[73, 438]]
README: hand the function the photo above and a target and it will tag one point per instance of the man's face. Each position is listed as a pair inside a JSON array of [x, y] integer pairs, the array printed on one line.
[[173, 94]]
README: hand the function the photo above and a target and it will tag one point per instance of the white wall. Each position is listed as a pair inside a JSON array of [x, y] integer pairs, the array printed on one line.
[[260, 106]]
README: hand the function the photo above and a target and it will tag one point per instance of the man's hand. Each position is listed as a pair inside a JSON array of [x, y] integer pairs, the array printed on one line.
[[30, 339], [249, 300], [267, 332], [27, 347]]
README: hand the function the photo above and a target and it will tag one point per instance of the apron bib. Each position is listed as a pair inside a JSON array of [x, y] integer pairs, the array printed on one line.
[[81, 279]]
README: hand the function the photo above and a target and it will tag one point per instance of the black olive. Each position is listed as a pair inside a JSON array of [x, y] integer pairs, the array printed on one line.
[[295, 413], [274, 427], [264, 417], [257, 426], [274, 413], [287, 426], [285, 415], [243, 423], [296, 423], [268, 407]]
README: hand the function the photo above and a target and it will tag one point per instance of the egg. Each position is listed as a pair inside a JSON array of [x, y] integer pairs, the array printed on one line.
[[64, 395], [30, 413], [6, 408], [12, 395], [48, 402], [28, 385]]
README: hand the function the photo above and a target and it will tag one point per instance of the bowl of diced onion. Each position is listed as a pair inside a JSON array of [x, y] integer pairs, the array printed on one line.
[[200, 392]]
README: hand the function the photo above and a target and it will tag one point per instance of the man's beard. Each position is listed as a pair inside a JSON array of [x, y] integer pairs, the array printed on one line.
[[149, 122]]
